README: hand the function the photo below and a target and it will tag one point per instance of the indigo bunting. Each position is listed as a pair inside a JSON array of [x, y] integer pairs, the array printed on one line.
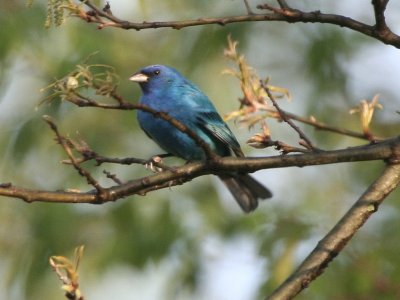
[[166, 90]]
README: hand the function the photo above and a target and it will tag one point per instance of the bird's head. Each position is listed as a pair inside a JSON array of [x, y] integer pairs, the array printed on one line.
[[156, 77]]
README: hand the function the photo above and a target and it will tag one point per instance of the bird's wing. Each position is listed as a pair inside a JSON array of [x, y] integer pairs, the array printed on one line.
[[144, 130], [212, 122]]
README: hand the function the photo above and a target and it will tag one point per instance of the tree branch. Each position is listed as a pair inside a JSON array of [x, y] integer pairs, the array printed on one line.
[[322, 126], [291, 15], [379, 10], [307, 142], [66, 146], [284, 13], [334, 242], [248, 8], [385, 150]]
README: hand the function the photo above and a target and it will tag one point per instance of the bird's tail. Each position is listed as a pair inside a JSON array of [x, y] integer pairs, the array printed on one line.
[[246, 190]]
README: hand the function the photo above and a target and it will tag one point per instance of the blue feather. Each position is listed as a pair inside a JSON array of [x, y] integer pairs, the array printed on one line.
[[166, 90]]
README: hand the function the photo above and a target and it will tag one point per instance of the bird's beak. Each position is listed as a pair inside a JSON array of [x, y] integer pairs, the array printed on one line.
[[139, 77]]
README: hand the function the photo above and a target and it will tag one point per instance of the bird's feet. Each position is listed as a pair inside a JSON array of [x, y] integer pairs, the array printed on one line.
[[156, 164]]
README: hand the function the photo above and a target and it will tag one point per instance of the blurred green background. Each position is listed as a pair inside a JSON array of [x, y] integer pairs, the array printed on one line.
[[192, 241]]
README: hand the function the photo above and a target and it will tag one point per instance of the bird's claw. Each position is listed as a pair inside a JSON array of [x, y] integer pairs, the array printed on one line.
[[153, 164]]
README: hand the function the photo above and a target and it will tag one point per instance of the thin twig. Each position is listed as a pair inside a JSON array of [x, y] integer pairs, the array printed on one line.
[[248, 8], [113, 177], [283, 4], [322, 126], [99, 159], [379, 10], [88, 154], [308, 144], [63, 142]]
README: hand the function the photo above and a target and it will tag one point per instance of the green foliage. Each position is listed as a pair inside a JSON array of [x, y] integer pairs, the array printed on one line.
[[142, 236], [327, 50]]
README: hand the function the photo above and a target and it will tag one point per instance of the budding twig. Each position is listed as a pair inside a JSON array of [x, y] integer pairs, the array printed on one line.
[[307, 142]]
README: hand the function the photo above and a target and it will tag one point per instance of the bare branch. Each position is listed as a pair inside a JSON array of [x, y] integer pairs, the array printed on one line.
[[248, 8], [334, 242], [113, 177], [291, 15], [283, 4], [308, 143], [322, 126], [379, 31], [385, 150], [379, 10], [66, 146]]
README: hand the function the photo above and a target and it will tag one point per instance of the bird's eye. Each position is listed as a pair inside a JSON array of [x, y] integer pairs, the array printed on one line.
[[156, 72]]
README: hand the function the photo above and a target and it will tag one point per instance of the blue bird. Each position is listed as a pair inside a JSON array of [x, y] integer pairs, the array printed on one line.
[[166, 90]]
